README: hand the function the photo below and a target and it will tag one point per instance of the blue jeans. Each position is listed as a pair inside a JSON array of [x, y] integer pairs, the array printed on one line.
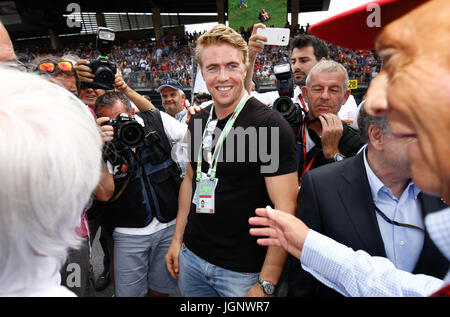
[[199, 278]]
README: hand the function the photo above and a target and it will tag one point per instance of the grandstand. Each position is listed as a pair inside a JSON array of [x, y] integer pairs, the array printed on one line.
[[151, 42]]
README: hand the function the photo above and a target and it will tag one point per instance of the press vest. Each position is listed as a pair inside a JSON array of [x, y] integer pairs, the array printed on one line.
[[147, 182]]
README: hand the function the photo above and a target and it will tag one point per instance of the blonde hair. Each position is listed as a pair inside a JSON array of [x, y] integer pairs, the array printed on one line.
[[220, 34]]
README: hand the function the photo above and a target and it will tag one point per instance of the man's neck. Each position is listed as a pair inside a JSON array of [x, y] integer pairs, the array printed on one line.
[[223, 111], [392, 178], [175, 112]]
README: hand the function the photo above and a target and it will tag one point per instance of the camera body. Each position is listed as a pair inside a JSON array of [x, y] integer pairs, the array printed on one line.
[[103, 69], [127, 132], [292, 112]]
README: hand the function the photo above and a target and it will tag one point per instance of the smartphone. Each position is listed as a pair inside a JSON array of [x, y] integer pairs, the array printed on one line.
[[275, 36]]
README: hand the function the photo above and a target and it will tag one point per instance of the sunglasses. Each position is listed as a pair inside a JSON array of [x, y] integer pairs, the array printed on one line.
[[50, 67]]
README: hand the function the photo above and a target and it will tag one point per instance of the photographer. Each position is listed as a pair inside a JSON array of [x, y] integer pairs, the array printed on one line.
[[306, 51], [323, 137], [141, 212], [101, 74]]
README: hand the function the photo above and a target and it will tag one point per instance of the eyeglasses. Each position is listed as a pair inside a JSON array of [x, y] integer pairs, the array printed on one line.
[[50, 67]]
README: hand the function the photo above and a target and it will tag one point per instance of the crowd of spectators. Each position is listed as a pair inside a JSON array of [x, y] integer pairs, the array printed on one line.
[[146, 63], [362, 65]]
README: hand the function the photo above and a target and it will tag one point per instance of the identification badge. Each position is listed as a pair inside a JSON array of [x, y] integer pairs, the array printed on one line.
[[204, 195]]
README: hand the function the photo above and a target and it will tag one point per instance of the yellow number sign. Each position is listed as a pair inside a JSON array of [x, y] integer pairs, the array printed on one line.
[[353, 84]]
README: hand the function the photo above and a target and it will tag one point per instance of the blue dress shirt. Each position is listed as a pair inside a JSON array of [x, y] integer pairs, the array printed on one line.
[[403, 245]]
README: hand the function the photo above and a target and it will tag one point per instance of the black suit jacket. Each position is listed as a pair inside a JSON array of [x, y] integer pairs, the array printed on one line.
[[336, 201]]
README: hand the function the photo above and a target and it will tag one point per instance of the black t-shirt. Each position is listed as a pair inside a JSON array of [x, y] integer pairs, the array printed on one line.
[[223, 238]]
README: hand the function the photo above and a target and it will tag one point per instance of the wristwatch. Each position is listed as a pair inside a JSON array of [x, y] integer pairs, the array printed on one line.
[[267, 287], [338, 157]]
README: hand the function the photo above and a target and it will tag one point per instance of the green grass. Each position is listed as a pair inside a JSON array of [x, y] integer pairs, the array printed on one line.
[[246, 17]]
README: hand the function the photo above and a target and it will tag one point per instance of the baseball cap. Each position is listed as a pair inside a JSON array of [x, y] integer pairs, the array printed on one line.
[[357, 28], [172, 83]]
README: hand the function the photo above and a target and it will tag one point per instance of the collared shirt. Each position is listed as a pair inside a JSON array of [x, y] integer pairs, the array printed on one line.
[[356, 273], [403, 245], [181, 116]]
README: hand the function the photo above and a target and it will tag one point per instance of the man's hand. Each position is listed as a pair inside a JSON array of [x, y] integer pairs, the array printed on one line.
[[281, 229], [120, 84], [107, 131], [172, 257], [192, 111], [256, 291], [332, 129], [255, 45], [84, 72]]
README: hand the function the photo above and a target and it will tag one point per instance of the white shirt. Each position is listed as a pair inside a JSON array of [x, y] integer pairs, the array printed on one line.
[[45, 282], [349, 109], [175, 132]]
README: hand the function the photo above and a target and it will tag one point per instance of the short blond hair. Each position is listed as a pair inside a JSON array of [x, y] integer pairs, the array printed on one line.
[[221, 34]]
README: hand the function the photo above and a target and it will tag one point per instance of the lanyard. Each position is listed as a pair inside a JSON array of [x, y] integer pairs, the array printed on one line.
[[395, 223], [305, 167], [300, 97], [222, 137]]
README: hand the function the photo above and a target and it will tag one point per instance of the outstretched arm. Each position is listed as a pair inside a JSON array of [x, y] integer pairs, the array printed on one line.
[[255, 47], [352, 273], [280, 228]]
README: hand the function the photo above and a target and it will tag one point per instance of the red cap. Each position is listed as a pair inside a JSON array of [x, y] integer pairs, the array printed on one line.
[[357, 28]]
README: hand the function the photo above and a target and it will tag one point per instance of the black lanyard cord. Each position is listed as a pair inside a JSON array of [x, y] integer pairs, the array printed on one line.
[[393, 222]]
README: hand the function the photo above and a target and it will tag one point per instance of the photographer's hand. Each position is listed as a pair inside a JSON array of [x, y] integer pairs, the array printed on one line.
[[121, 86], [255, 47], [84, 73], [192, 111], [255, 43], [119, 83], [332, 129], [106, 131]]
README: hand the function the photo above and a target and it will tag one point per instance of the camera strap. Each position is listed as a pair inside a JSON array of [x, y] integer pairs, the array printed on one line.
[[300, 97], [130, 172]]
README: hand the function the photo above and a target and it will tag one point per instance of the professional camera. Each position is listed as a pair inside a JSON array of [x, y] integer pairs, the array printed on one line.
[[127, 132], [103, 69], [293, 113]]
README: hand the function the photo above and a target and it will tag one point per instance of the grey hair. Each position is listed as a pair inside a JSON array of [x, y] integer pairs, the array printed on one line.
[[327, 66], [365, 121], [50, 163]]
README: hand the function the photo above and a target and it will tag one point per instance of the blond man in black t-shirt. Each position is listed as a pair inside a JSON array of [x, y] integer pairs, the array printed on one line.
[[212, 253]]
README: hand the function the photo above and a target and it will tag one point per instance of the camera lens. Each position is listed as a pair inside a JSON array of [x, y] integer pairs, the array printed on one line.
[[290, 111], [131, 134]]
